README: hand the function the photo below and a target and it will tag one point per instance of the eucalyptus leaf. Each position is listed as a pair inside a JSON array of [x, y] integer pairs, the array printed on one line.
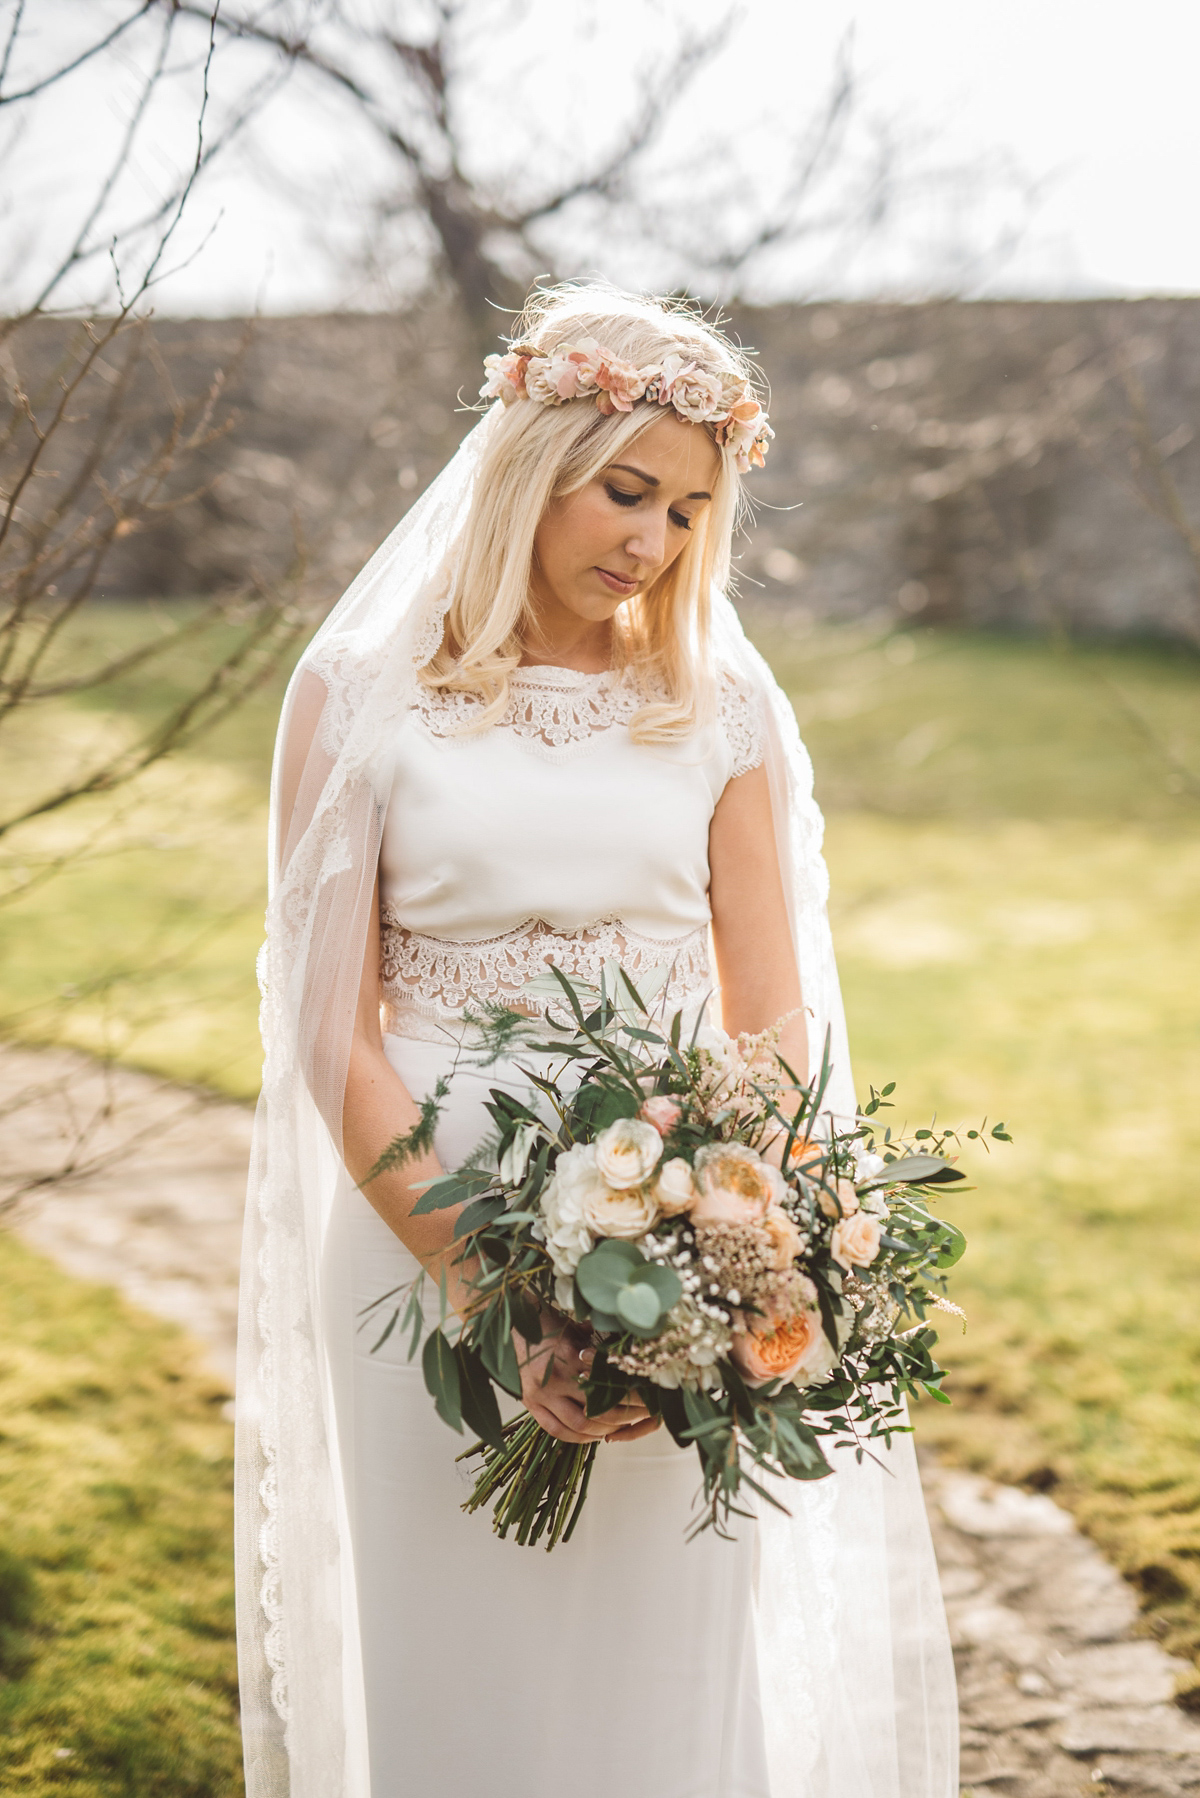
[[639, 1306], [953, 1246], [605, 1270], [913, 1170]]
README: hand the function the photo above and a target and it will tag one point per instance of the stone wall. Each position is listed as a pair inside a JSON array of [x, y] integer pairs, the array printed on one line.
[[997, 463]]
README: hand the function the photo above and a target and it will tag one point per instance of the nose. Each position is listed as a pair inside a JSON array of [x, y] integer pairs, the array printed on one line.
[[647, 542]]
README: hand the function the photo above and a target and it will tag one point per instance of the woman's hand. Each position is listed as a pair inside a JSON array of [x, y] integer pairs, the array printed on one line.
[[555, 1399]]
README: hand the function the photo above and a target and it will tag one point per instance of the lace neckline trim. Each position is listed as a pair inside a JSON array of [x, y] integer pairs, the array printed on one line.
[[551, 674]]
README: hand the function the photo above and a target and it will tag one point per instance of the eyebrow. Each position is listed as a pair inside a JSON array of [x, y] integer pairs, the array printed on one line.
[[651, 480]]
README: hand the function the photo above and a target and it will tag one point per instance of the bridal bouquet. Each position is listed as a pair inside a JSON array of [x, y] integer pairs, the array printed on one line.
[[758, 1272]]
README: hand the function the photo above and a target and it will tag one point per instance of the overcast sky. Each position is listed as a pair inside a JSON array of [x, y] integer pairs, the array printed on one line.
[[1092, 101]]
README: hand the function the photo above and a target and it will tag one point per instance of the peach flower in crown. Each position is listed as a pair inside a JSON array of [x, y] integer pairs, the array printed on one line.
[[586, 370]]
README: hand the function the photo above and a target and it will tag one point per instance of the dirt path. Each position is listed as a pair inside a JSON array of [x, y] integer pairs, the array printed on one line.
[[1059, 1695]]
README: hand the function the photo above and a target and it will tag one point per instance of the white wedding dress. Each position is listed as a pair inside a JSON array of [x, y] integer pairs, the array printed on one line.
[[389, 1646], [622, 1664]]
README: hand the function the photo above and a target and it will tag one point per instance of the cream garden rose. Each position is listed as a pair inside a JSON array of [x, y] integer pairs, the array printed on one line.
[[628, 1151], [626, 1212], [675, 1189]]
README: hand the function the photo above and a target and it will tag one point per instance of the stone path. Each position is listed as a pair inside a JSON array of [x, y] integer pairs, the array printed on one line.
[[1059, 1695]]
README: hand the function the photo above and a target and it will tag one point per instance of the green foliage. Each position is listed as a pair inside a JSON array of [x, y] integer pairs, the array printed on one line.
[[116, 1600], [624, 1290]]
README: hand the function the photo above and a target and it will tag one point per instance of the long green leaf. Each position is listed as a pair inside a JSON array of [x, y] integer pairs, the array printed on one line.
[[480, 1409], [441, 1377]]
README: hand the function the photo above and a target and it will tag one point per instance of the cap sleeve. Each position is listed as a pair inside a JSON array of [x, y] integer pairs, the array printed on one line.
[[739, 716]]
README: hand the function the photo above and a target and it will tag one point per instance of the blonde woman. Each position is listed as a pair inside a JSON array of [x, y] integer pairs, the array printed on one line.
[[532, 733]]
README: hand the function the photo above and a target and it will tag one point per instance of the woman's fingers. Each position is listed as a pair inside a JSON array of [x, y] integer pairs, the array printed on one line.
[[632, 1431]]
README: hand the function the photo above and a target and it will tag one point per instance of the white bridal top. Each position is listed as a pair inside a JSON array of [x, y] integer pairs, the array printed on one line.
[[492, 867]]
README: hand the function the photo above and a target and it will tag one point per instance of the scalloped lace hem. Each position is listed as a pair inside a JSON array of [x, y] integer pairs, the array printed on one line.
[[431, 981]]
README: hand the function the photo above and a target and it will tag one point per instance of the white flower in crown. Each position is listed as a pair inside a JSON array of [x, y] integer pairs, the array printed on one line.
[[695, 395], [567, 373]]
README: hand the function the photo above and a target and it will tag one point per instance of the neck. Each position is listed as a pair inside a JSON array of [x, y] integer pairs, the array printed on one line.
[[561, 639]]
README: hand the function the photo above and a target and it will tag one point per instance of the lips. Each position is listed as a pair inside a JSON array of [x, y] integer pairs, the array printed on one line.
[[617, 583]]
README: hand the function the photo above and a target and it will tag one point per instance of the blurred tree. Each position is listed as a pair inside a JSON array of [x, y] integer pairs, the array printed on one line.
[[96, 443], [664, 168]]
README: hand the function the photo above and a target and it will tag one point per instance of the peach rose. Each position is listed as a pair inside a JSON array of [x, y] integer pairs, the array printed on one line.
[[856, 1240], [627, 1152], [783, 1236], [778, 1347], [805, 1152], [662, 1112], [736, 1185], [845, 1204], [675, 1189]]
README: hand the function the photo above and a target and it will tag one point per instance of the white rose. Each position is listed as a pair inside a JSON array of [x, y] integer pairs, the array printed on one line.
[[718, 1056], [694, 394], [565, 1228], [675, 1189], [627, 1152], [627, 1213]]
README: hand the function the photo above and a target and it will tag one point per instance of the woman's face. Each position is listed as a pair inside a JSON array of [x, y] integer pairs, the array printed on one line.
[[597, 547]]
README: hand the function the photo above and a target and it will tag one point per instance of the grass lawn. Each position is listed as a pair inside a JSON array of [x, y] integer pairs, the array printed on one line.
[[1016, 859], [117, 1672]]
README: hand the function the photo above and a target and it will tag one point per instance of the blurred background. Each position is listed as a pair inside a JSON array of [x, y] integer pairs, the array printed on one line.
[[250, 258]]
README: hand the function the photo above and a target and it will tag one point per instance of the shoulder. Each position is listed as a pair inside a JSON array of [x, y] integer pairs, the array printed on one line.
[[740, 719]]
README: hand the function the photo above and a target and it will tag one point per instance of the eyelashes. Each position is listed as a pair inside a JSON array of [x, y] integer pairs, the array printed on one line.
[[620, 498]]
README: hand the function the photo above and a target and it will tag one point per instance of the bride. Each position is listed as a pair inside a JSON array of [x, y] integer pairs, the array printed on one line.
[[533, 733]]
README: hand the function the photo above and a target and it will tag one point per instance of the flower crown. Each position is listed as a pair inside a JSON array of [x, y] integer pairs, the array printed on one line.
[[574, 371]]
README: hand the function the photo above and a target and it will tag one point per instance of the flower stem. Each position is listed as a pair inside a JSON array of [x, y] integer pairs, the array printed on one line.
[[535, 1484]]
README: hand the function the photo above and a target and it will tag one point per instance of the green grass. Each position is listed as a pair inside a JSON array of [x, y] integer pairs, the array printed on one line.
[[144, 949], [117, 1672], [1015, 859], [1016, 875]]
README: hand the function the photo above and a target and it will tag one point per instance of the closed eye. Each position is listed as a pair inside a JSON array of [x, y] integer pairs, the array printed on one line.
[[620, 498]]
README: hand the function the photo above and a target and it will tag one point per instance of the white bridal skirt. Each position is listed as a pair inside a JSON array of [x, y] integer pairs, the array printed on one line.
[[806, 1659]]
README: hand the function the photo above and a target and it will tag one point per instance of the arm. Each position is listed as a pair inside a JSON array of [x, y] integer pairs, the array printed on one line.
[[377, 1108], [756, 963]]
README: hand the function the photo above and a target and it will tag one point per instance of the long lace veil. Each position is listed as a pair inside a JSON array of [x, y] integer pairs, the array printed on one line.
[[854, 1663]]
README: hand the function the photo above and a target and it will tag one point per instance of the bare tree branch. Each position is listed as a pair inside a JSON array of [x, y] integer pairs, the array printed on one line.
[[68, 68]]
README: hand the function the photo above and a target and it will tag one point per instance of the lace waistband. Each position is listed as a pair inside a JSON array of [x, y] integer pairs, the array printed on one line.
[[428, 982]]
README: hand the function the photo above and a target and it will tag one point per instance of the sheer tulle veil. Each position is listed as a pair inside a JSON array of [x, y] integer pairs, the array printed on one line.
[[854, 1662]]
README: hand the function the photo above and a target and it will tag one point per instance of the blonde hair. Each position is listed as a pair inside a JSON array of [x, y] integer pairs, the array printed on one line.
[[541, 453]]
